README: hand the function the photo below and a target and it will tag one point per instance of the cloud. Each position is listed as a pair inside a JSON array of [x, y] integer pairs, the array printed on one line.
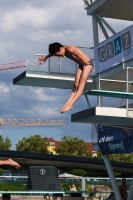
[[28, 27], [33, 17], [4, 88]]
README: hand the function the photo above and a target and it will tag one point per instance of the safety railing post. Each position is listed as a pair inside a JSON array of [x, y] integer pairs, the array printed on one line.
[[127, 91], [99, 87], [48, 65]]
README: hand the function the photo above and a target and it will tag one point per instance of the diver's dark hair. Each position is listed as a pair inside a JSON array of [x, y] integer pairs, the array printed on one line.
[[123, 179], [54, 47]]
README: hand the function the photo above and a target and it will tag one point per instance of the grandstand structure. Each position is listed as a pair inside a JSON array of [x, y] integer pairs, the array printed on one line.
[[112, 78]]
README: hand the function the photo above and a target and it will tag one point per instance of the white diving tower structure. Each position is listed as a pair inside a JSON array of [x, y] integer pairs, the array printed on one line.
[[111, 79]]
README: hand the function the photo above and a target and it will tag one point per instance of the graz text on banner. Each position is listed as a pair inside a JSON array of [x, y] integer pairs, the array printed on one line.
[[114, 50]]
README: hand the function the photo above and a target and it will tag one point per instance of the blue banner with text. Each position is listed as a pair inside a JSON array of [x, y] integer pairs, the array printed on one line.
[[115, 140]]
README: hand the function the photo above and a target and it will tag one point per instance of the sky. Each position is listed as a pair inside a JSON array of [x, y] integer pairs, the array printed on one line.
[[26, 28]]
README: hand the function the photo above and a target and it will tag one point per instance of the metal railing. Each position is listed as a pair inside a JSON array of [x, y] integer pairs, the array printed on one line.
[[90, 180], [56, 195], [62, 65]]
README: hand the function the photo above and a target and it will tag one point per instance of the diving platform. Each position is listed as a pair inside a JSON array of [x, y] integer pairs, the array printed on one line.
[[111, 9], [104, 115], [113, 79], [106, 93], [50, 80]]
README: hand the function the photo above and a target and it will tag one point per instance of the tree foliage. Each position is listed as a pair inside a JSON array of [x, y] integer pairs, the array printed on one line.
[[79, 172], [121, 157], [5, 144], [116, 174], [72, 146], [1, 171], [12, 187], [128, 158], [35, 144]]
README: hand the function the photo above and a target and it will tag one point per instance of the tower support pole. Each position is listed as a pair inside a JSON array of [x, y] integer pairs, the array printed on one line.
[[112, 177]]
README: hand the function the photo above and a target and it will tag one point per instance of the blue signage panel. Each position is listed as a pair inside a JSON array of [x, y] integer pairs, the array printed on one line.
[[113, 140], [117, 45], [115, 50]]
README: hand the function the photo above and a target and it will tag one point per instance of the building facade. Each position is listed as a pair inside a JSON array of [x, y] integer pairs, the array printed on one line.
[[53, 143]]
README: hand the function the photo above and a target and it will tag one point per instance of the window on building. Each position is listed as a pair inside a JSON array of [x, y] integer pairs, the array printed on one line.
[[51, 143]]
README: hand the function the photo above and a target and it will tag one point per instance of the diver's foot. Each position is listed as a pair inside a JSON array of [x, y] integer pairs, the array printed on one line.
[[66, 108], [13, 163]]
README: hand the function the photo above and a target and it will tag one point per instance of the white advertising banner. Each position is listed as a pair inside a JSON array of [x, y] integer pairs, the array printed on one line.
[[114, 50]]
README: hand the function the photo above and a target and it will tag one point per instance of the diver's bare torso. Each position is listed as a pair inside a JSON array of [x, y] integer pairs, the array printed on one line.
[[82, 74], [72, 53]]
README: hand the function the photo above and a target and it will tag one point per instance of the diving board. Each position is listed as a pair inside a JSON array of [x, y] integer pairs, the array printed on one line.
[[111, 9], [51, 80], [106, 93], [104, 115]]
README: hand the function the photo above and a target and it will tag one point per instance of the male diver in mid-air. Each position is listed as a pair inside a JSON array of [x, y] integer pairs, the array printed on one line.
[[83, 72]]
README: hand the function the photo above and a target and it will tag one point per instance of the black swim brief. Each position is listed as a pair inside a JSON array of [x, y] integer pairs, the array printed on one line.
[[89, 62]]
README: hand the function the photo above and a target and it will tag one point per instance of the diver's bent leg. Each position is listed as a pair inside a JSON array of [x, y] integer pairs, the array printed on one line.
[[75, 87], [83, 79]]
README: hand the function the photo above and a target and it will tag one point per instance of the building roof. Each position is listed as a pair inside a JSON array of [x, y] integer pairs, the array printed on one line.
[[90, 146], [51, 140]]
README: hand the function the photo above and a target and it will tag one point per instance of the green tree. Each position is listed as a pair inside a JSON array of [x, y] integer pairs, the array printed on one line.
[[79, 172], [117, 157], [1, 171], [72, 146], [5, 144], [113, 157], [116, 174], [121, 157], [35, 144]]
